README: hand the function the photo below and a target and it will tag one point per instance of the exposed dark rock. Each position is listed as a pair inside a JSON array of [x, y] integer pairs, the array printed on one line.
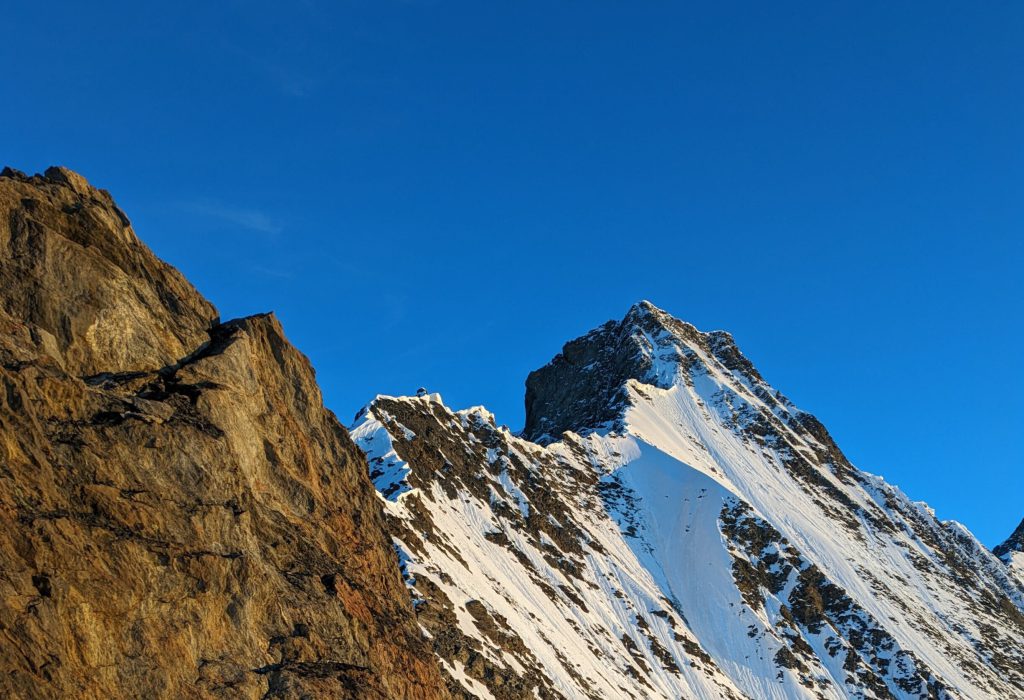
[[581, 388], [1014, 543]]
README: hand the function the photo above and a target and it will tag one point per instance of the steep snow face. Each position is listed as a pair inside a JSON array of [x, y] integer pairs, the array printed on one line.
[[522, 581], [679, 529], [917, 605]]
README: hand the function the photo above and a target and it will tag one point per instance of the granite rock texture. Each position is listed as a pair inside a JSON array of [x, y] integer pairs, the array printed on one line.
[[180, 516]]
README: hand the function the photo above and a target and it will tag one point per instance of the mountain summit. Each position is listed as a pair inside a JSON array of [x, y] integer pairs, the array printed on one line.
[[669, 525], [585, 386]]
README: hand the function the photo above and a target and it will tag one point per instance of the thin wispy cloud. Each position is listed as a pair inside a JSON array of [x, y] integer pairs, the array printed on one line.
[[288, 79], [240, 217], [271, 272]]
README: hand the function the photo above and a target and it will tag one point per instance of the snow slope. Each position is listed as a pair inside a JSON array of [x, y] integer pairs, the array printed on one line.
[[677, 528]]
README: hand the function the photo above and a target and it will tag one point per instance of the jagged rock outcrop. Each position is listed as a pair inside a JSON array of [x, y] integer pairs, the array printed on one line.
[[669, 525], [180, 516], [584, 386], [74, 271], [1014, 543]]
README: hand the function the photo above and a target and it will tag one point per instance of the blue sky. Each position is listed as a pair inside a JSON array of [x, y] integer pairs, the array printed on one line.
[[441, 194]]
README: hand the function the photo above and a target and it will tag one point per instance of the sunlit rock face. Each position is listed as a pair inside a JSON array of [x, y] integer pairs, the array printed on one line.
[[669, 525], [179, 514]]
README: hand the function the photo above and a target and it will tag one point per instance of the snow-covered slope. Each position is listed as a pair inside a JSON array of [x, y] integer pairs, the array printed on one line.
[[669, 526]]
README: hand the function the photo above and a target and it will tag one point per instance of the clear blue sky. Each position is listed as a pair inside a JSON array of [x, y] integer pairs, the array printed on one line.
[[441, 193]]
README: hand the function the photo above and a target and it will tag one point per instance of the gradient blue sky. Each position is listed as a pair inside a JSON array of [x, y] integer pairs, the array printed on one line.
[[441, 193]]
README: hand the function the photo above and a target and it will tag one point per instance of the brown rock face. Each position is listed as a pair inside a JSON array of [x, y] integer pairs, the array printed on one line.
[[179, 514], [97, 298]]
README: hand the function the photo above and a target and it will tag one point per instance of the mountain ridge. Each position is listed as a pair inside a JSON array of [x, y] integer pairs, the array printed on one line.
[[759, 495]]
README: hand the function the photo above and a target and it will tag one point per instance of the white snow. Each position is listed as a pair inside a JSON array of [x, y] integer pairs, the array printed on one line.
[[680, 458]]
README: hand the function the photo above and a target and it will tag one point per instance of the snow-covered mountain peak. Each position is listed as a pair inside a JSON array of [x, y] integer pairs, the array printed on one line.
[[584, 388], [669, 525]]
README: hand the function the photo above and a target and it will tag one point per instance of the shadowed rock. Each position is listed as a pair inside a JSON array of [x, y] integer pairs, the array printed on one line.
[[1015, 543]]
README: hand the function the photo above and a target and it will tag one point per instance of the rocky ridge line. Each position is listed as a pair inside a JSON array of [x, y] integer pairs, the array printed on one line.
[[180, 516], [669, 525]]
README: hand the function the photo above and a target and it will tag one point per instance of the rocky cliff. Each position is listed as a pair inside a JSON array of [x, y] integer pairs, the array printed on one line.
[[180, 516]]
